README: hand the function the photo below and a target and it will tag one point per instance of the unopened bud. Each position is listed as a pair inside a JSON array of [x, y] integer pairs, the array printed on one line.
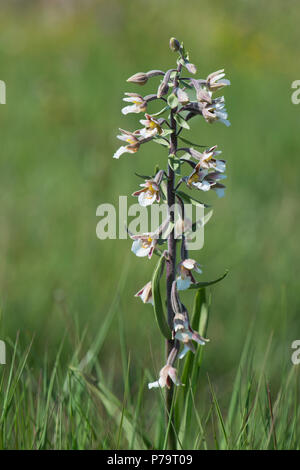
[[190, 67], [174, 45], [182, 96], [162, 89], [164, 86], [140, 78]]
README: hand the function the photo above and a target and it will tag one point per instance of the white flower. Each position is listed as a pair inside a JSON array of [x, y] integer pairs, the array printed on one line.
[[216, 111], [167, 372], [197, 180], [144, 244], [139, 104], [145, 293], [186, 278], [202, 179], [149, 194], [151, 190], [133, 143], [207, 159], [186, 336], [151, 126]]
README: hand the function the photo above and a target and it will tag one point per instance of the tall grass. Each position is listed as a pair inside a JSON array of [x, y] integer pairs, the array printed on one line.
[[70, 404]]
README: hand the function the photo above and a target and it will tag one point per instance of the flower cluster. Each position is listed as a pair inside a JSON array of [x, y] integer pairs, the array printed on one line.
[[182, 99]]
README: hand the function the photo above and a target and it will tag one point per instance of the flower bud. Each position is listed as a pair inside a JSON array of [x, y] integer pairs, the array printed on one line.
[[174, 45], [140, 78], [162, 89], [164, 86], [182, 96], [190, 67]]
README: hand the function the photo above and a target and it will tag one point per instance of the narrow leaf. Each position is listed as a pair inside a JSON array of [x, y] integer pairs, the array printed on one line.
[[191, 143], [208, 283], [189, 199]]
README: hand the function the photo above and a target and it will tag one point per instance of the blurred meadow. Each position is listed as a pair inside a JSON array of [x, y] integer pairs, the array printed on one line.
[[65, 65]]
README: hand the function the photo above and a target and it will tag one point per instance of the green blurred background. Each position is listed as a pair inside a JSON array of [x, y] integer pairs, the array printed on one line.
[[65, 64]]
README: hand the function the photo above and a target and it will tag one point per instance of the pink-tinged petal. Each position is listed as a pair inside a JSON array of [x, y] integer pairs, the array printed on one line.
[[196, 337], [139, 293], [146, 293], [137, 193], [173, 375], [151, 251], [189, 263]]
